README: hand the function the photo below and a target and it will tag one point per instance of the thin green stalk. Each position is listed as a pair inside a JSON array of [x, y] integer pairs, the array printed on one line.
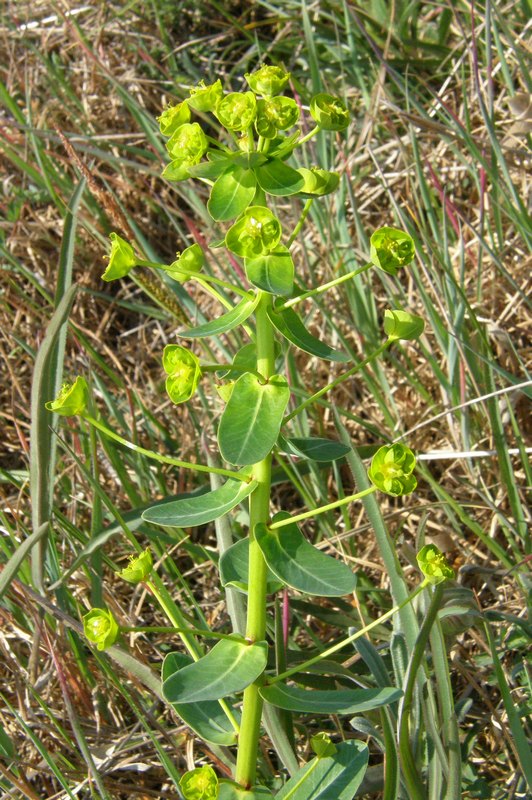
[[301, 221], [322, 509], [171, 629], [259, 511], [339, 380], [308, 136], [324, 286], [410, 772], [158, 457]]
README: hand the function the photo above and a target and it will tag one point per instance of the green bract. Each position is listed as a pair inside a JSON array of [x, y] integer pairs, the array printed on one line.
[[100, 628], [72, 400], [267, 80], [205, 98], [187, 263], [200, 784], [138, 569], [236, 111], [322, 745], [434, 565], [318, 182], [183, 370], [186, 147], [121, 258], [391, 249], [329, 112], [257, 232], [173, 117], [402, 325], [391, 470], [274, 115]]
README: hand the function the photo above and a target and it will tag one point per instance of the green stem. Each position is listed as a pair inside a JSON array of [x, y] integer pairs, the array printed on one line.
[[163, 459], [324, 287], [410, 772], [192, 631], [301, 221], [341, 379], [340, 645], [259, 511], [322, 509], [308, 136]]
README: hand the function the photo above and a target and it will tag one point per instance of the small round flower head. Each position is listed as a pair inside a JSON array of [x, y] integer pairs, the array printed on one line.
[[138, 568], [434, 565], [256, 233], [72, 400], [199, 784], [275, 114], [268, 80], [391, 249], [391, 470], [173, 117], [186, 147], [183, 370], [206, 98], [187, 263], [236, 111], [329, 112], [122, 258], [402, 325], [100, 628]]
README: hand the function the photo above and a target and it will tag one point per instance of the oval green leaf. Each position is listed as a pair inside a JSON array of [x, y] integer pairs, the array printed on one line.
[[318, 701], [231, 193], [314, 449], [277, 178], [273, 272], [335, 777], [289, 324], [207, 719], [226, 322], [229, 667], [301, 565], [190, 511], [252, 418], [234, 569]]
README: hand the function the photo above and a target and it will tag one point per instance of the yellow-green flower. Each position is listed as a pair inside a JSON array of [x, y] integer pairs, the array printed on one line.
[[268, 80], [329, 112], [72, 400], [173, 117], [434, 565], [206, 98], [100, 628], [183, 370], [391, 249], [138, 568], [200, 784], [186, 146], [275, 114], [187, 263], [122, 258], [236, 111], [256, 233], [391, 470]]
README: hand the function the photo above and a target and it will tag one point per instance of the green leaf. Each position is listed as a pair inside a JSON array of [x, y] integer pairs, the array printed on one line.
[[315, 449], [207, 719], [232, 193], [273, 272], [278, 178], [338, 701], [335, 777], [229, 667], [190, 511], [226, 322], [234, 569], [252, 418], [229, 790], [212, 168], [301, 565], [289, 324]]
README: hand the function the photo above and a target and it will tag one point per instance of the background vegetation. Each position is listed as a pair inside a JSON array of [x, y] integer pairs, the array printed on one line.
[[439, 145]]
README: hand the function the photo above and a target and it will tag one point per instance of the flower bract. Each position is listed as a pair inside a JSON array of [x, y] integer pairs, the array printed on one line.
[[205, 98], [173, 117], [100, 628], [268, 80], [275, 114], [122, 258], [186, 147], [138, 568], [329, 112], [187, 263], [391, 470], [183, 370], [318, 182], [199, 784], [72, 400], [402, 325], [434, 565], [391, 249], [236, 111], [257, 232]]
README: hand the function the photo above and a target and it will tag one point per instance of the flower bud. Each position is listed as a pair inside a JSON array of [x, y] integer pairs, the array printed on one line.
[[434, 565], [236, 111], [173, 117], [187, 263], [402, 325], [329, 112], [276, 114], [318, 182], [138, 568], [391, 470], [391, 249], [72, 400], [199, 784], [206, 98], [100, 628], [256, 233], [268, 80], [183, 370], [122, 258]]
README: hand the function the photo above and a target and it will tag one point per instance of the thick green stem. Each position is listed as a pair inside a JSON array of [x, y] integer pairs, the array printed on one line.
[[259, 511]]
